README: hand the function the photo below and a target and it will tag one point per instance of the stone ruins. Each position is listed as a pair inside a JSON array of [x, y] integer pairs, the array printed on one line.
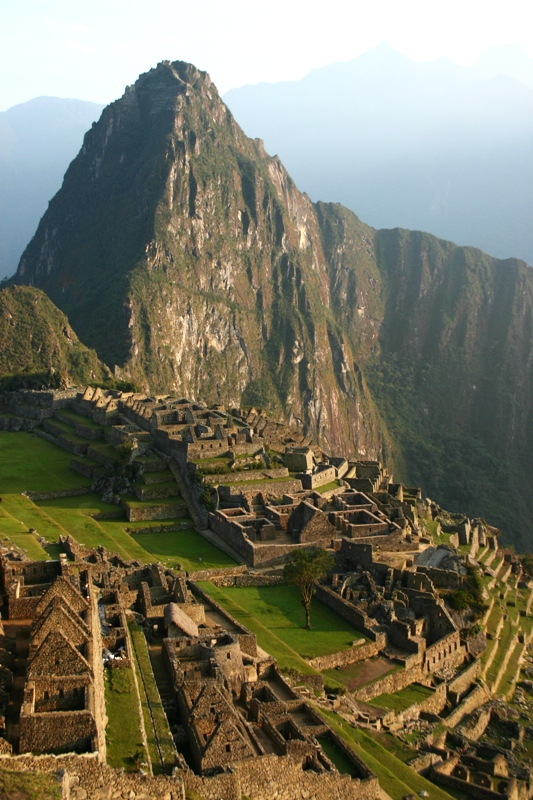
[[239, 726]]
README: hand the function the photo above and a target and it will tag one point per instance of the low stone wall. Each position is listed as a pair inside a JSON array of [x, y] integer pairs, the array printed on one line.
[[346, 657], [248, 579], [275, 488], [466, 787], [285, 779], [422, 764], [459, 685], [102, 458], [153, 512], [247, 475], [9, 422], [218, 573], [176, 526], [63, 493], [76, 448], [83, 467], [81, 777], [477, 697], [390, 684], [431, 705], [443, 578], [476, 725]]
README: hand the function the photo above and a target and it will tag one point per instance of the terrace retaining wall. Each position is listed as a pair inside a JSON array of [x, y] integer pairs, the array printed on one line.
[[390, 684], [33, 496], [346, 657]]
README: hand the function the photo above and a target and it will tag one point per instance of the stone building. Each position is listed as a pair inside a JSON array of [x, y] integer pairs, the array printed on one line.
[[63, 705]]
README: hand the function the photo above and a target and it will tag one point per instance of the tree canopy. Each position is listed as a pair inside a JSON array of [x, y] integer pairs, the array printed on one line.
[[303, 570]]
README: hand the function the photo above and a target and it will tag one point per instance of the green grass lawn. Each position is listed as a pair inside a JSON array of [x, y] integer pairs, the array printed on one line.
[[395, 777], [394, 745], [399, 701], [276, 615], [327, 487], [13, 532], [156, 724], [507, 633], [347, 675], [29, 785], [187, 548], [506, 682], [177, 500], [29, 463], [337, 757], [79, 419], [123, 732]]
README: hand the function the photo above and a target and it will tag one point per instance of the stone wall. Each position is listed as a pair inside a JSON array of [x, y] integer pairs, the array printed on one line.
[[284, 778], [390, 684], [349, 612], [431, 705], [197, 512], [443, 578], [34, 496], [468, 788], [462, 682], [446, 651], [217, 574], [246, 638], [83, 778], [153, 512], [476, 724], [476, 698], [318, 478], [271, 488], [247, 475], [255, 553], [62, 732], [358, 652], [246, 579]]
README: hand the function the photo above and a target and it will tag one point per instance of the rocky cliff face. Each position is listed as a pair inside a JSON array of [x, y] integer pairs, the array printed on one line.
[[188, 259], [186, 256]]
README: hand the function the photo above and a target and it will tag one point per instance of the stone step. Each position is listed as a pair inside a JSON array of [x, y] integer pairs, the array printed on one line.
[[156, 491], [154, 511], [161, 476]]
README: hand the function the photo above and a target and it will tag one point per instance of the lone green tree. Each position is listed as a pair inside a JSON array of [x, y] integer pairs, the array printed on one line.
[[303, 570]]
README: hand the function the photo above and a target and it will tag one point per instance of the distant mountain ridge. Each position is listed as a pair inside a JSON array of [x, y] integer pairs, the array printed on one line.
[[433, 146], [188, 259], [38, 140]]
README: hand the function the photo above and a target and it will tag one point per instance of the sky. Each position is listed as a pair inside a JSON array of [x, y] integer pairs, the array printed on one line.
[[92, 50]]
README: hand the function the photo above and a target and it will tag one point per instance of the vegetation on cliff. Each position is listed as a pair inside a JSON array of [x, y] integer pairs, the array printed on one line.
[[38, 346]]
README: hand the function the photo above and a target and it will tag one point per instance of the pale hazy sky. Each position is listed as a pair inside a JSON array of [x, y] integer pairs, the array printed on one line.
[[91, 50]]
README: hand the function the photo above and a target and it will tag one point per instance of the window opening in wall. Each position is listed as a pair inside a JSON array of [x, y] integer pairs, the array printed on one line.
[[61, 693], [228, 748], [46, 695], [228, 656]]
